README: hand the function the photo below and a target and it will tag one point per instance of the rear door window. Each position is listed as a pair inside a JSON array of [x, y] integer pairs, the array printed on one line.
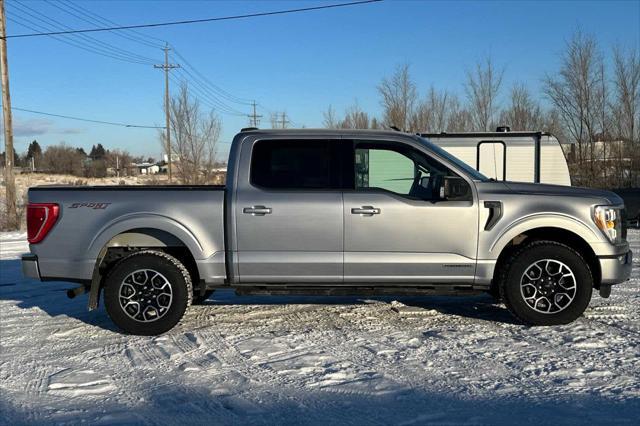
[[309, 164]]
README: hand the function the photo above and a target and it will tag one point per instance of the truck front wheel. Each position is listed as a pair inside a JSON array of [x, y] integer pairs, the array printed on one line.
[[147, 292], [546, 283]]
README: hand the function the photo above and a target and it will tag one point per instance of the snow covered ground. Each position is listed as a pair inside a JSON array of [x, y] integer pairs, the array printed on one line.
[[315, 360]]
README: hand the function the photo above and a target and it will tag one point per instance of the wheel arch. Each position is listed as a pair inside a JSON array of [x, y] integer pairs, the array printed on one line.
[[139, 229], [550, 233], [145, 239]]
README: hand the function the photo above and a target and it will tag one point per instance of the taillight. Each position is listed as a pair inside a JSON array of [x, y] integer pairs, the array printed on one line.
[[40, 219]]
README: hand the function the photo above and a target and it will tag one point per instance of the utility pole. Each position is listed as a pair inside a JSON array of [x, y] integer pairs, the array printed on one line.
[[167, 107], [9, 179], [284, 120], [254, 119]]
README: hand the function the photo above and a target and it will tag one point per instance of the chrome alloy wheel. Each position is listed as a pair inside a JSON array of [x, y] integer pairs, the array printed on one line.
[[145, 295], [548, 286]]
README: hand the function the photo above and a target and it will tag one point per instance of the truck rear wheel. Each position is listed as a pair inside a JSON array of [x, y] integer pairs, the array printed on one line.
[[147, 292], [546, 283]]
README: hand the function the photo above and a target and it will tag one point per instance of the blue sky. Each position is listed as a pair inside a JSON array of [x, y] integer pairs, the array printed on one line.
[[300, 63]]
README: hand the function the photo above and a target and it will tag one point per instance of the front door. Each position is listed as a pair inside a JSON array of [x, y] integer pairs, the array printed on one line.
[[289, 213], [399, 228]]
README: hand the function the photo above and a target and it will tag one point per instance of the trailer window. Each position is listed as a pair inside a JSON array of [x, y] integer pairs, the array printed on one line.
[[491, 159], [295, 164]]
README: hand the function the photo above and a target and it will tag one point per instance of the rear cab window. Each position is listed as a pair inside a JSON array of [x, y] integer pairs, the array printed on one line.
[[305, 164]]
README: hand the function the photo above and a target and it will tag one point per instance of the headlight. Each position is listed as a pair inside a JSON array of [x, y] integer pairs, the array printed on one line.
[[609, 220]]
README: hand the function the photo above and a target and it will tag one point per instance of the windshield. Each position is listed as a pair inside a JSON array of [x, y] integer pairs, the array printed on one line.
[[476, 175]]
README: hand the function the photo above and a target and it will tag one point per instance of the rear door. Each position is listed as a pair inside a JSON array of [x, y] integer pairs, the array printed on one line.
[[289, 207], [398, 227]]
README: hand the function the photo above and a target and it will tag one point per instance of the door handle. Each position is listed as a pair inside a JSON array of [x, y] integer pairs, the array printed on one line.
[[365, 210], [257, 210]]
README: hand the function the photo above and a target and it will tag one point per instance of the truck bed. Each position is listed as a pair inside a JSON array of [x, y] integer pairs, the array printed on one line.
[[127, 187], [91, 217]]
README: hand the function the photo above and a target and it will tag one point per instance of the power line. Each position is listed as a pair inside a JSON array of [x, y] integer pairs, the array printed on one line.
[[196, 21], [223, 93], [110, 22], [206, 92], [211, 89], [95, 19], [215, 96], [49, 23], [79, 45], [201, 95], [111, 123]]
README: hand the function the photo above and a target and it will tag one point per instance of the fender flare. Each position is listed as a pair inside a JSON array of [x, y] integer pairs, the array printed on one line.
[[146, 220], [542, 220]]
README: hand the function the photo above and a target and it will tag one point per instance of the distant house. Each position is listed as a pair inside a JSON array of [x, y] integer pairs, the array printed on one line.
[[147, 168]]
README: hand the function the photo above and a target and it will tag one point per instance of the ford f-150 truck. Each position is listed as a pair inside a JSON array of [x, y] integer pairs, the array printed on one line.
[[330, 212]]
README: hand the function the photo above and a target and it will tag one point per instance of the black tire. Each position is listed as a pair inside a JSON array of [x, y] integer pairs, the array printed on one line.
[[200, 299], [512, 277], [176, 292], [494, 292]]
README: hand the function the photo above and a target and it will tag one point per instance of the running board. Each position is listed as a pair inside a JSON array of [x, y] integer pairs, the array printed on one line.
[[439, 290]]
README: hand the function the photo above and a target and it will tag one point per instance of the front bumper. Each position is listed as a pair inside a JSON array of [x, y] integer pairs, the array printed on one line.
[[30, 267], [616, 269]]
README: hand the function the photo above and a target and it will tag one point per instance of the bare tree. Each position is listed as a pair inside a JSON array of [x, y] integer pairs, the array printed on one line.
[[194, 135], [63, 159], [626, 106], [626, 80], [119, 161], [355, 118], [482, 87], [523, 113], [576, 92], [399, 98], [330, 120], [432, 114], [460, 119]]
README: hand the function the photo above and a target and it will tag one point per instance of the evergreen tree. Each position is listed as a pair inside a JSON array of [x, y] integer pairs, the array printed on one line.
[[34, 151], [97, 152]]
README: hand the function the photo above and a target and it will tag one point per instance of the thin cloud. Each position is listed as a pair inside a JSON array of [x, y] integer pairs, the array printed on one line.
[[71, 131], [32, 127], [40, 126]]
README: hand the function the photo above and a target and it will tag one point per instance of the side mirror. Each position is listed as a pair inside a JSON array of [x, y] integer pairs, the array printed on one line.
[[424, 181], [455, 188]]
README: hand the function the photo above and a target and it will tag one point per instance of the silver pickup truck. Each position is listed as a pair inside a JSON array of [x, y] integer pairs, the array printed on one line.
[[330, 212]]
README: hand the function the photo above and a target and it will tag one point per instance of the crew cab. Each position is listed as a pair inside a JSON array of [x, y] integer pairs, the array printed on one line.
[[330, 212]]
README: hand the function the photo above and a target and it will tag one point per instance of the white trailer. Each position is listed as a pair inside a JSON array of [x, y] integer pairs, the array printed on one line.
[[505, 155]]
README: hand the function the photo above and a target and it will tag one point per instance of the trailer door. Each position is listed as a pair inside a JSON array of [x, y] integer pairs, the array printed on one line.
[[491, 159]]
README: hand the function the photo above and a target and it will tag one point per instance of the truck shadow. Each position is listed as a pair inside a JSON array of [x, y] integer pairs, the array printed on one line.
[[51, 298], [481, 307]]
